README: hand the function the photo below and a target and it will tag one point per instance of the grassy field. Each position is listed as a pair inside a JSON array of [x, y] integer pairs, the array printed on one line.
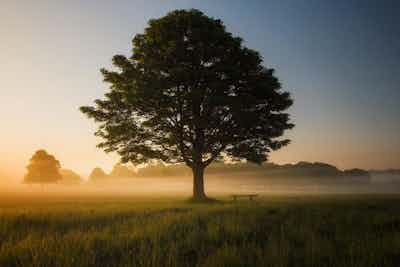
[[325, 230]]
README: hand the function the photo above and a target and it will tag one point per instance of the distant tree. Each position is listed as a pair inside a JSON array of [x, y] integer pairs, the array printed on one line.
[[192, 93], [356, 172], [97, 174], [122, 171], [159, 169], [69, 177], [43, 168]]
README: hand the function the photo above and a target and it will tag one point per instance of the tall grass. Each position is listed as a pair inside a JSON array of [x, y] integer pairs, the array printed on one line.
[[278, 231]]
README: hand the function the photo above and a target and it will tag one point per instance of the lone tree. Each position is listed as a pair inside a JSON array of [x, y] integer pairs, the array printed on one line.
[[190, 92], [43, 168]]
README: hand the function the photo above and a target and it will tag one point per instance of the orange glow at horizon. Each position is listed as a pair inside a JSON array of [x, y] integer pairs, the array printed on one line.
[[50, 67]]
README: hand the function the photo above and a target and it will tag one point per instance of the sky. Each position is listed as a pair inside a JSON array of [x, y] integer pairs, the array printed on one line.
[[339, 60]]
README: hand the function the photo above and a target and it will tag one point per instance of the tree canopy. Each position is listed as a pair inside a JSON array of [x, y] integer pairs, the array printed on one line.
[[191, 92], [43, 168]]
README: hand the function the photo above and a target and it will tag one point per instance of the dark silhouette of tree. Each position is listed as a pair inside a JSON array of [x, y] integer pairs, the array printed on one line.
[[192, 93], [43, 168]]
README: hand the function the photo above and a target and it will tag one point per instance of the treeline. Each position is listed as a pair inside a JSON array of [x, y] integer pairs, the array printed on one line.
[[44, 168], [126, 171], [385, 172], [301, 169]]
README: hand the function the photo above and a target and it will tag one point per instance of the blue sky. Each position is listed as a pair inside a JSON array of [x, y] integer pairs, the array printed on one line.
[[339, 59]]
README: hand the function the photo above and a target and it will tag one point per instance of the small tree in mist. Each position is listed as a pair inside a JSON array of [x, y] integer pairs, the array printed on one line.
[[43, 168], [122, 171], [97, 174], [192, 93]]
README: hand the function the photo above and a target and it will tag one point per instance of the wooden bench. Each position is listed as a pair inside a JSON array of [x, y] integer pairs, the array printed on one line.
[[249, 196]]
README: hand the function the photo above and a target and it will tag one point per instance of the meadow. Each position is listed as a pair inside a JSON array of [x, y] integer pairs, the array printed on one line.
[[280, 230]]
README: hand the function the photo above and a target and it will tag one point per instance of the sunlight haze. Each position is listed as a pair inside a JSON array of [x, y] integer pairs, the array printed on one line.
[[335, 60]]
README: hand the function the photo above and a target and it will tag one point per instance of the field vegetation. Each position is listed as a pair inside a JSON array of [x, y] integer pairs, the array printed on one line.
[[324, 230]]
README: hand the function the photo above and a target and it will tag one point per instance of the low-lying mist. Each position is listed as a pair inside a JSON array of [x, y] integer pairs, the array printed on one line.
[[216, 185], [220, 180]]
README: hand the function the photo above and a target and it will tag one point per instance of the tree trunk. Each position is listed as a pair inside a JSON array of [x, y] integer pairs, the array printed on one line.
[[198, 183]]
